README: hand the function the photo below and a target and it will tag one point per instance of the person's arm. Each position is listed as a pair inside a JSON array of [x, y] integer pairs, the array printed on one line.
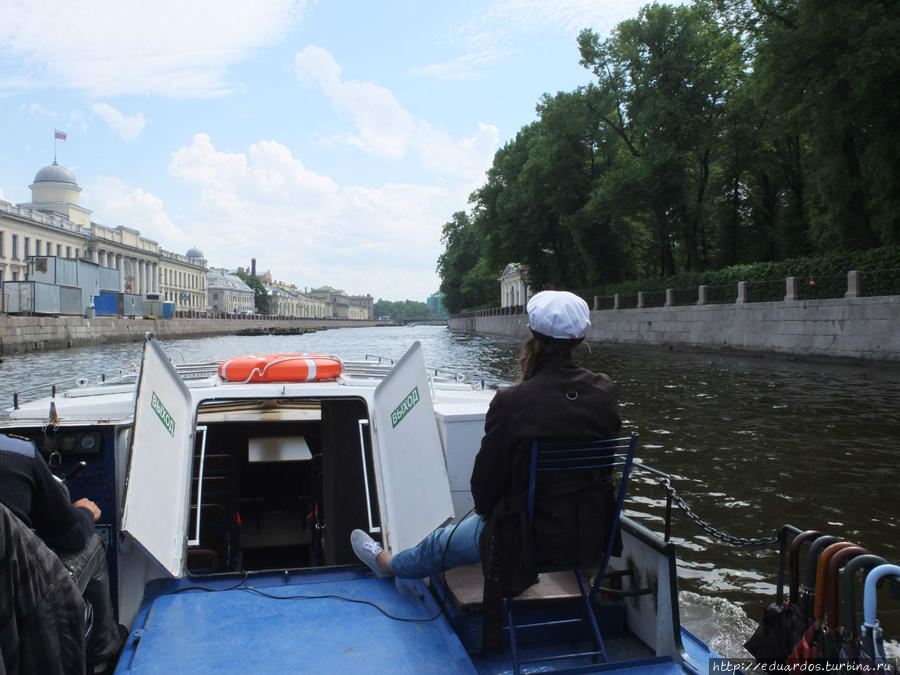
[[62, 525], [491, 470]]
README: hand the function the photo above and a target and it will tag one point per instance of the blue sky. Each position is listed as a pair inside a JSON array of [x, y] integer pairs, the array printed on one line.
[[329, 140]]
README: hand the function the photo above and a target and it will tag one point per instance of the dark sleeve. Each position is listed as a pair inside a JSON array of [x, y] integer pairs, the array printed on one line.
[[491, 470], [56, 520]]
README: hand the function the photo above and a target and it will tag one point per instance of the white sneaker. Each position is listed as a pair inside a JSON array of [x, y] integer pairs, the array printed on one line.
[[367, 550]]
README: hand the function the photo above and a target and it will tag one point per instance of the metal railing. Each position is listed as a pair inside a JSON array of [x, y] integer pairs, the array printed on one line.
[[830, 286], [765, 291], [823, 287], [880, 282]]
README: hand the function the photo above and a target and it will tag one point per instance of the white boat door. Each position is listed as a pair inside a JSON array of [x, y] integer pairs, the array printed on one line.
[[413, 488], [158, 484]]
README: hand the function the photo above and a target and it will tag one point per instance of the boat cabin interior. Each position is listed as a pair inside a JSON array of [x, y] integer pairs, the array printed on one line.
[[277, 484]]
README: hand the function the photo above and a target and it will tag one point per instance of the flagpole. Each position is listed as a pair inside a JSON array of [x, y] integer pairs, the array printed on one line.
[[54, 146]]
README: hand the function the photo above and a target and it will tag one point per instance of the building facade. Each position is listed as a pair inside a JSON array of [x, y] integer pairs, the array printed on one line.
[[228, 294], [345, 306], [289, 301], [54, 223], [514, 290], [435, 303]]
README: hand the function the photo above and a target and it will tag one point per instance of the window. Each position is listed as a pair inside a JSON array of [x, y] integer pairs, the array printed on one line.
[[15, 274], [76, 252], [27, 246], [15, 246], [68, 251], [49, 249], [59, 250], [37, 246], [2, 237]]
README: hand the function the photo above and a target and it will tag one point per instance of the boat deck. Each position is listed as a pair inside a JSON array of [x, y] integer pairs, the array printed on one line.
[[327, 621]]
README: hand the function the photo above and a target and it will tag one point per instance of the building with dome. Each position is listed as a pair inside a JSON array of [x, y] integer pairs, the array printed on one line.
[[54, 224]]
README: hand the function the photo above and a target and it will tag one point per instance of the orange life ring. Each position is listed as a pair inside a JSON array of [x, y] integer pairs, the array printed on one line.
[[280, 368]]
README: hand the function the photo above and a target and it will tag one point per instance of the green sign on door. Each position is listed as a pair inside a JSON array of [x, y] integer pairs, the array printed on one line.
[[408, 403]]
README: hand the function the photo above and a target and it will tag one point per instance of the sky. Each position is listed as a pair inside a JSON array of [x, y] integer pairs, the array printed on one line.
[[329, 140]]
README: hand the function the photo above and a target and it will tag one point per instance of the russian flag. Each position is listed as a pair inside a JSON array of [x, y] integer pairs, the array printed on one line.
[[61, 135]]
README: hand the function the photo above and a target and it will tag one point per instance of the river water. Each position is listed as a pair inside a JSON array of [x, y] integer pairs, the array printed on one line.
[[752, 442]]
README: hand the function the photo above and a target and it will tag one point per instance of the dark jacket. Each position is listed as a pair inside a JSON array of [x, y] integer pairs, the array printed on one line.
[[561, 401], [41, 610], [30, 491]]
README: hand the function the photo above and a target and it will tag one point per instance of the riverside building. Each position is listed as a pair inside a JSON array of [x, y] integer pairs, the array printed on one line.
[[228, 294], [54, 223]]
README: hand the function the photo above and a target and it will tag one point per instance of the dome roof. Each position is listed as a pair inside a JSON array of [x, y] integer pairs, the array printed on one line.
[[55, 173], [194, 253]]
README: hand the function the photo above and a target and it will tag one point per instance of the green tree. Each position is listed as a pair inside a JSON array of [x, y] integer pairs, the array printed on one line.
[[402, 309], [260, 294], [662, 80], [825, 72], [465, 283]]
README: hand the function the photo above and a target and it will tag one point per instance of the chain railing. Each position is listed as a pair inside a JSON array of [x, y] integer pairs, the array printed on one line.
[[672, 497]]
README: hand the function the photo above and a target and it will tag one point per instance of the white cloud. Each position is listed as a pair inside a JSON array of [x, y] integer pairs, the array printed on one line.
[[114, 203], [489, 34], [168, 47], [386, 129], [128, 127], [37, 110], [309, 230]]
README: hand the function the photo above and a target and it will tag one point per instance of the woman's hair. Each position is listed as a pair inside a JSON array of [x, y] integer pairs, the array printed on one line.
[[536, 349]]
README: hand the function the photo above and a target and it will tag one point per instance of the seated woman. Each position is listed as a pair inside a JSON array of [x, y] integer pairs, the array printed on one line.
[[554, 400]]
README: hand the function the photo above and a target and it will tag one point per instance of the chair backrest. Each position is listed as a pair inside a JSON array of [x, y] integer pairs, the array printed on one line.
[[588, 456]]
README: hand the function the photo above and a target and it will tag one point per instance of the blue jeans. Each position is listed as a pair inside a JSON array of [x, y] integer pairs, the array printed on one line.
[[448, 546]]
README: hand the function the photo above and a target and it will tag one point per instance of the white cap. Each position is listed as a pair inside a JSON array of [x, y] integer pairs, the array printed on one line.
[[559, 314]]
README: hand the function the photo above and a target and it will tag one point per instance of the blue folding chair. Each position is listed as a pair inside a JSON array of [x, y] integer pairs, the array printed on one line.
[[608, 456]]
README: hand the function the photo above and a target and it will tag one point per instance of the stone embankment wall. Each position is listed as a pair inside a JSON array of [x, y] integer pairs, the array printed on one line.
[[862, 328], [34, 333]]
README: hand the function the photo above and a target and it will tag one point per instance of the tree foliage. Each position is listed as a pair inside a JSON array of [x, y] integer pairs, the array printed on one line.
[[713, 134], [260, 294], [402, 309]]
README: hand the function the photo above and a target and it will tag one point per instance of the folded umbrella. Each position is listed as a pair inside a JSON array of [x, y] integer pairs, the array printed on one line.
[[850, 648], [782, 624], [813, 641], [871, 635]]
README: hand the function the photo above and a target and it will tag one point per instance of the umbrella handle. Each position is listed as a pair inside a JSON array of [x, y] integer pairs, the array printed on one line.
[[869, 599], [848, 579], [822, 577], [795, 562], [812, 556], [832, 592]]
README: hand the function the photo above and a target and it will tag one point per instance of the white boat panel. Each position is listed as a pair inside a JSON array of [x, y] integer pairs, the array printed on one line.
[[157, 489], [413, 489]]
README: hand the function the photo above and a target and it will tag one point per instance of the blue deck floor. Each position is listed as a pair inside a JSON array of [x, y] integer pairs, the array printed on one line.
[[236, 630], [239, 631]]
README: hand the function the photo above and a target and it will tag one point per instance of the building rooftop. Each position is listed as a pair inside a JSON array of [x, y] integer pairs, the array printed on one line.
[[54, 173], [223, 280]]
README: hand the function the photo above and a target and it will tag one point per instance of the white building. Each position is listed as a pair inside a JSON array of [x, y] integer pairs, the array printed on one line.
[[514, 288], [228, 294], [54, 223]]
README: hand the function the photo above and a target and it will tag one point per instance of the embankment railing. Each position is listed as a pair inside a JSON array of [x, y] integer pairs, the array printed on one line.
[[853, 285]]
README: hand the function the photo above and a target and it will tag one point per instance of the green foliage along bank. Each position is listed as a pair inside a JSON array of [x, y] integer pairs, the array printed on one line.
[[709, 136]]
